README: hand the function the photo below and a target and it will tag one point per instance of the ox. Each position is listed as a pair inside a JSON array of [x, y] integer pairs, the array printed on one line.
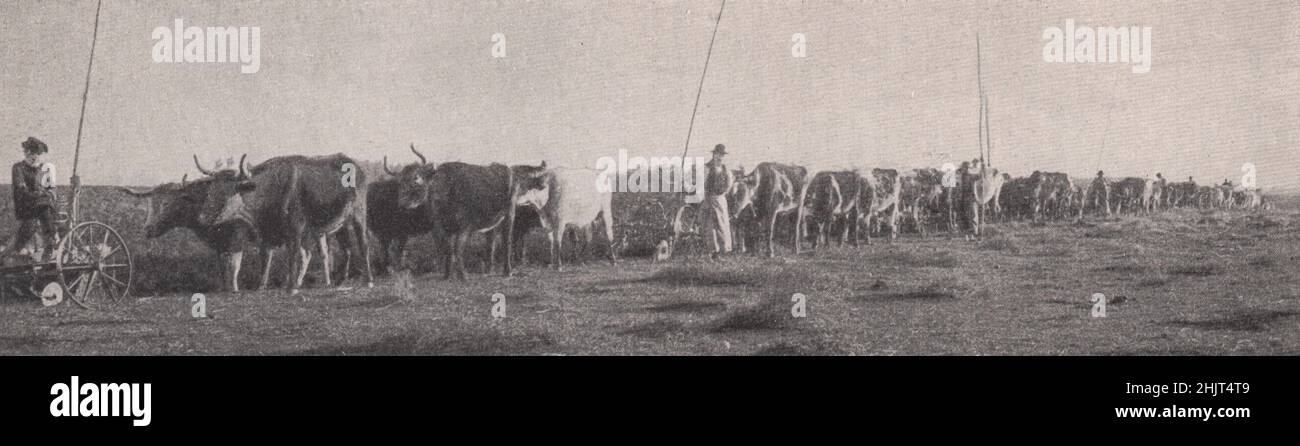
[[573, 199], [835, 200], [288, 198], [174, 205], [1052, 193], [885, 187], [393, 224], [986, 190], [1131, 191], [773, 189], [469, 199]]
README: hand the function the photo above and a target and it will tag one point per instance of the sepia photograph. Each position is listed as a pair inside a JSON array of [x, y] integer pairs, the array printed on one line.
[[653, 178], [659, 178]]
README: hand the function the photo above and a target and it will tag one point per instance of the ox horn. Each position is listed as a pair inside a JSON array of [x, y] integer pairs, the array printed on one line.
[[200, 166], [243, 173], [386, 169], [417, 153], [184, 179]]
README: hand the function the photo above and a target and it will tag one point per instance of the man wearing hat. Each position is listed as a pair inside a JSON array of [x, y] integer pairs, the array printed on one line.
[[716, 223], [33, 201]]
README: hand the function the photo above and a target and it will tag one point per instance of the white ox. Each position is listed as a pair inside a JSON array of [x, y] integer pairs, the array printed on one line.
[[573, 199]]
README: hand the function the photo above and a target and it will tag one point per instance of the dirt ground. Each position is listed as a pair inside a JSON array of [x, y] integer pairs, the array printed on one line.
[[1182, 282]]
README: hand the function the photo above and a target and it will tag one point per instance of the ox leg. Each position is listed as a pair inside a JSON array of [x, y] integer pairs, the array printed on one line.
[[299, 270], [325, 260], [448, 246], [868, 221], [920, 225], [609, 236], [585, 252], [344, 237], [559, 248], [799, 228], [265, 254], [364, 246], [550, 239], [738, 236], [385, 260], [462, 239], [844, 230], [234, 259], [771, 234], [893, 223], [347, 266], [851, 227], [492, 250], [399, 256]]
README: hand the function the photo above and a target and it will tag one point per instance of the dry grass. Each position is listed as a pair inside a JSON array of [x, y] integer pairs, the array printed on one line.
[[1193, 286]]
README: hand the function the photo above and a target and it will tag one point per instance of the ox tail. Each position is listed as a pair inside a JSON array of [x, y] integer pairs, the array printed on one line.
[[804, 185]]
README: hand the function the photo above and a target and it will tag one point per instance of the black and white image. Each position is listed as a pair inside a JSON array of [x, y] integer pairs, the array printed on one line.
[[659, 178]]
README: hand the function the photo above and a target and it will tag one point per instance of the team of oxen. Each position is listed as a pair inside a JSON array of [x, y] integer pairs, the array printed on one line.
[[293, 202], [850, 205]]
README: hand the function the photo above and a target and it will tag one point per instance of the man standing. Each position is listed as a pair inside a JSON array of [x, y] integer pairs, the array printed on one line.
[[1097, 194], [716, 224], [1161, 195], [33, 201]]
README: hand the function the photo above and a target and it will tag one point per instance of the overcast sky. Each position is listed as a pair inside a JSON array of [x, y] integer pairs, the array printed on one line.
[[884, 84]]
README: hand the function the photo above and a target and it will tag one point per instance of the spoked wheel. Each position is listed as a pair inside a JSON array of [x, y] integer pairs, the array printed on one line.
[[94, 266], [686, 220]]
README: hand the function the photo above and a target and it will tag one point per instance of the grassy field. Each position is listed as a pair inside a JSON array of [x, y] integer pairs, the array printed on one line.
[[1192, 283]]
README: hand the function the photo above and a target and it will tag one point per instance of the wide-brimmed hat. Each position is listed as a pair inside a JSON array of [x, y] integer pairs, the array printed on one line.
[[720, 149], [34, 145]]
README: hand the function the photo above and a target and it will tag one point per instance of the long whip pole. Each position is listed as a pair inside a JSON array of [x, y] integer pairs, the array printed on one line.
[[85, 93]]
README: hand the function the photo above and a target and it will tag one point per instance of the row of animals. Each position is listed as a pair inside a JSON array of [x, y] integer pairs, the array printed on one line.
[[292, 201], [827, 203]]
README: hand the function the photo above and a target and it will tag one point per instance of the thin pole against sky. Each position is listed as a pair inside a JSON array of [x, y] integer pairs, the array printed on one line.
[[979, 79], [1109, 111], [701, 89], [85, 93]]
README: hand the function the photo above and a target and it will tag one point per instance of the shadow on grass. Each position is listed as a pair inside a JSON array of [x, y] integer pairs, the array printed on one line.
[[655, 330], [929, 293], [814, 348], [1253, 321], [1197, 270], [466, 342], [1002, 243], [685, 306], [769, 315], [697, 276], [94, 323], [25, 343], [1127, 268], [1103, 233], [940, 259]]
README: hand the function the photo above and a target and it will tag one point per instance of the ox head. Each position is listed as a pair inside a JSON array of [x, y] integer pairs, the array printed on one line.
[[224, 199], [741, 196], [532, 185], [414, 181], [170, 205]]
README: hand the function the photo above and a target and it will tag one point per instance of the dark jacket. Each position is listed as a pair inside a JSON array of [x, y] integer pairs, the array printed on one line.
[[717, 182], [30, 196]]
